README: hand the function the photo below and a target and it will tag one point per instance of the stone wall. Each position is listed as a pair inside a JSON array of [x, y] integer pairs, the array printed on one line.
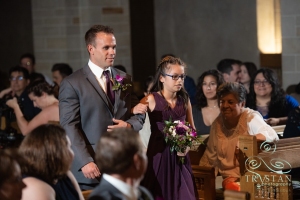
[[200, 32], [204, 32], [59, 27], [290, 24]]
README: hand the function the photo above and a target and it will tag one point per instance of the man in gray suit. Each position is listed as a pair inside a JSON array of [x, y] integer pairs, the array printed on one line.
[[122, 159], [88, 106]]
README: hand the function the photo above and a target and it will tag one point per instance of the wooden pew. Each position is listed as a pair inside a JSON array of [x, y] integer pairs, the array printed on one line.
[[258, 176], [204, 176], [286, 149], [86, 194]]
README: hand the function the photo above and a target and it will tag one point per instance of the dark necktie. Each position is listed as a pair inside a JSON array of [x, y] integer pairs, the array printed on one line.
[[110, 93]]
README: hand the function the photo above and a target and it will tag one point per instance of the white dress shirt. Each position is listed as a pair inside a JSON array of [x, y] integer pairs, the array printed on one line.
[[129, 192], [98, 72]]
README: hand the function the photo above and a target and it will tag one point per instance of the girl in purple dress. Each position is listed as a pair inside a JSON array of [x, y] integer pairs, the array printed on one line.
[[166, 177]]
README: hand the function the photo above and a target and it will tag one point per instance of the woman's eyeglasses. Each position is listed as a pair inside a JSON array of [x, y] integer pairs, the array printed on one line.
[[19, 78], [259, 82], [176, 77]]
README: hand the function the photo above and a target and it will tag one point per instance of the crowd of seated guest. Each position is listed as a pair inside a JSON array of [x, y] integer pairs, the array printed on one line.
[[41, 94], [219, 110]]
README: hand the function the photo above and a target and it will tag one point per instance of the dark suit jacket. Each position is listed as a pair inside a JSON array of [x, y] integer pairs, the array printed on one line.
[[85, 111], [106, 191]]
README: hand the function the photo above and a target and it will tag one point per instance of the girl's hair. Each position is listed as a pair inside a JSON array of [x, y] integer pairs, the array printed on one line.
[[45, 153], [200, 97], [277, 104], [38, 87], [161, 70]]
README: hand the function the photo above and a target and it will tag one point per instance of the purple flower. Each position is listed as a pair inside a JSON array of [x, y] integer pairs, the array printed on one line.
[[119, 78], [180, 130], [193, 133]]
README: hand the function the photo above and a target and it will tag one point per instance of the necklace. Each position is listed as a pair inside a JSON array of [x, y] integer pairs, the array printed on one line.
[[212, 107], [212, 104]]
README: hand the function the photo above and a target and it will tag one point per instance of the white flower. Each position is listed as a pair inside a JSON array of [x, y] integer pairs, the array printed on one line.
[[176, 122], [174, 133]]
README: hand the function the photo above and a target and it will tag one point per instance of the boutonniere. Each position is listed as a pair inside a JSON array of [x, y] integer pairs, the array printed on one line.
[[118, 83]]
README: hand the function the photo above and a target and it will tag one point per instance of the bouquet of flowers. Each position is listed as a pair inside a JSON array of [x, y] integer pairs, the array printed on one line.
[[179, 135]]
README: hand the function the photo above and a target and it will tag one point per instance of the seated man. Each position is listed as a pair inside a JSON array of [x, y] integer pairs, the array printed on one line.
[[19, 80], [230, 68], [122, 160], [60, 71], [27, 61]]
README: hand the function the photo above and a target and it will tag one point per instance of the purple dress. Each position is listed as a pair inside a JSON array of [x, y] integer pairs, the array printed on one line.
[[166, 177]]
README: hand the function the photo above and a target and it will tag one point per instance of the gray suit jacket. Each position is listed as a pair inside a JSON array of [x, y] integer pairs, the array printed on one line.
[[106, 191], [85, 111]]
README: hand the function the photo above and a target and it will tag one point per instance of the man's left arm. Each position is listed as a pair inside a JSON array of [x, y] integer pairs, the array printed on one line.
[[136, 120]]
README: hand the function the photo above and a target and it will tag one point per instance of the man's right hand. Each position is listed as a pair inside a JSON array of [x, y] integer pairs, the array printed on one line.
[[90, 170], [139, 109]]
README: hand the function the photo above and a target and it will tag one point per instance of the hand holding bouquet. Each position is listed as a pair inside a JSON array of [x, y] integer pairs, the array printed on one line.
[[179, 135]]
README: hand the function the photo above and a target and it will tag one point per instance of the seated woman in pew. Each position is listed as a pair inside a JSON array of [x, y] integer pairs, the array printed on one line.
[[42, 95], [267, 97], [234, 120], [206, 109], [46, 158]]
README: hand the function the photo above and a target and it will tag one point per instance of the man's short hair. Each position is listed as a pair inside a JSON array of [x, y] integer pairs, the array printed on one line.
[[225, 65], [19, 69], [30, 56], [63, 68], [90, 35], [116, 149]]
